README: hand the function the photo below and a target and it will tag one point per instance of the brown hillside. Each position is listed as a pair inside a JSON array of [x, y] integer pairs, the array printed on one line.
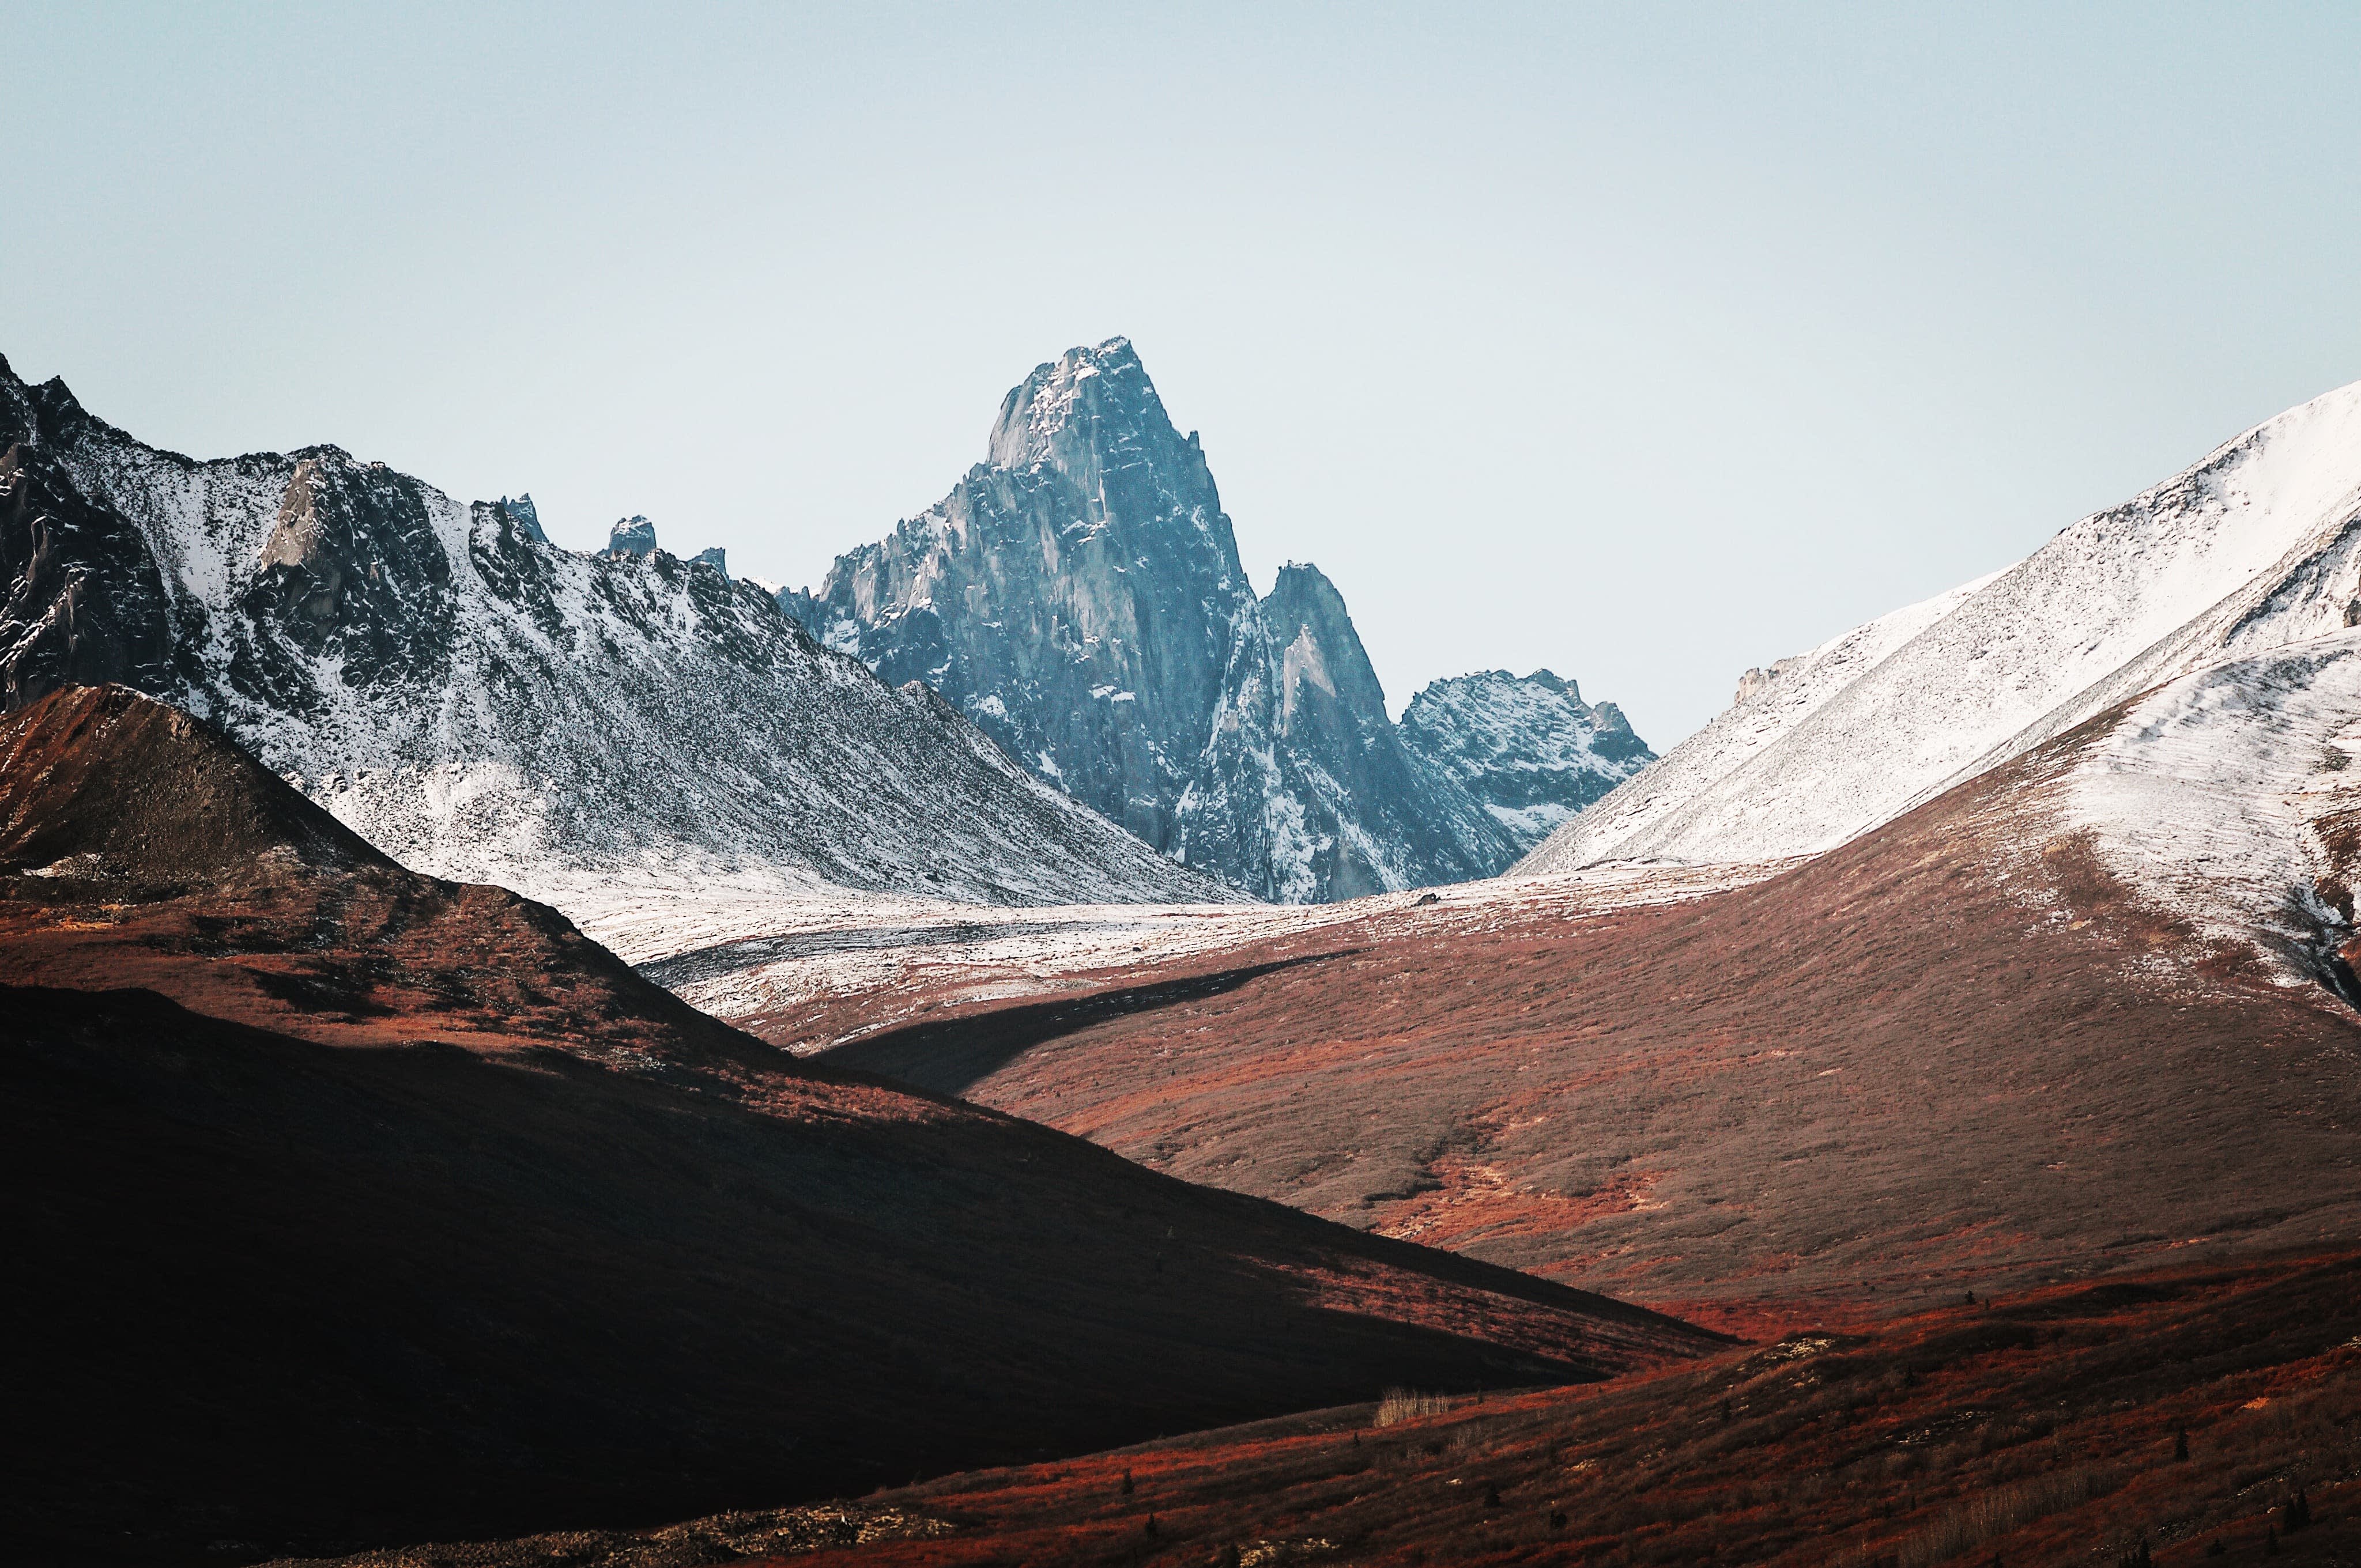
[[1952, 1054], [106, 783]]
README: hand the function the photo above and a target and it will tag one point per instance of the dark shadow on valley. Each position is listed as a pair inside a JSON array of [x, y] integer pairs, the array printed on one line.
[[948, 1056], [753, 952]]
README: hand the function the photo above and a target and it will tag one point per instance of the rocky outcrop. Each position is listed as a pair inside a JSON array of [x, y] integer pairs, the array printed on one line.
[[1529, 748], [2254, 549], [1079, 596], [634, 536], [1756, 680], [522, 514], [354, 570], [481, 704]]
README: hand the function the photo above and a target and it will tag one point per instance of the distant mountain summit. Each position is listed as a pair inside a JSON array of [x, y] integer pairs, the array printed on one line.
[[1079, 596], [483, 705], [1529, 747]]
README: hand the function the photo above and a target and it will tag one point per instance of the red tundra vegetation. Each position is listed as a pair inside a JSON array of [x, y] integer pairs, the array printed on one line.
[[1953, 1054]]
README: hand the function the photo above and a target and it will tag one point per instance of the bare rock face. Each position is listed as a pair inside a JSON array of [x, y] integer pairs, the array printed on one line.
[[84, 605], [527, 520], [1757, 680], [1306, 787], [354, 570], [1076, 595], [1529, 748]]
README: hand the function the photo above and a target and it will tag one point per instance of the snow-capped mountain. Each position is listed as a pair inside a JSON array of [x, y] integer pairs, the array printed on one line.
[[485, 706], [2205, 625], [1079, 596], [1529, 748]]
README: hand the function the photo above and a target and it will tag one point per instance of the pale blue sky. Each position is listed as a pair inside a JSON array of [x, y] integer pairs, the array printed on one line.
[[1643, 343]]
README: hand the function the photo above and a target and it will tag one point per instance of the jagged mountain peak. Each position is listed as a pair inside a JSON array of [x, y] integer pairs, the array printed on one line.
[[1080, 598], [1549, 680], [1076, 597], [521, 511], [1318, 645], [1528, 747], [1070, 408]]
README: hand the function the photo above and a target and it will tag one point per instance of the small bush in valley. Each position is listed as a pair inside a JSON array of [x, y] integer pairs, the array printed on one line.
[[1404, 1403]]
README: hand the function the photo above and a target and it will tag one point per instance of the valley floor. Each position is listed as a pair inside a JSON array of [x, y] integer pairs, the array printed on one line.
[[812, 973]]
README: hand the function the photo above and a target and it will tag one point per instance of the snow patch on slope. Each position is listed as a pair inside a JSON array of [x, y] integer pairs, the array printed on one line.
[[743, 956], [2210, 795]]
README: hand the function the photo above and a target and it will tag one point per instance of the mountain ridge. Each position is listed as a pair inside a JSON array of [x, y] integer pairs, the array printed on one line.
[[483, 704], [2256, 546]]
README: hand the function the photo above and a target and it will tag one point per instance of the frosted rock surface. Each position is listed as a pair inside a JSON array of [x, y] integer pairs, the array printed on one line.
[[481, 705], [1529, 748]]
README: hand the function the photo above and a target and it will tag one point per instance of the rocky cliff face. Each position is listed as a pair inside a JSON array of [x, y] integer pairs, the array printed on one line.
[[1079, 596], [1529, 748], [85, 604], [483, 705], [632, 536]]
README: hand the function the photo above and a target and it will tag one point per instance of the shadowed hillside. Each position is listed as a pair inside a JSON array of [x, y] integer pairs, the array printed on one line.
[[2203, 1416], [348, 1206]]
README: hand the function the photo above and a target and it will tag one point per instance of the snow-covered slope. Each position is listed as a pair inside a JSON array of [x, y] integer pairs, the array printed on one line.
[[2257, 548], [486, 706]]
